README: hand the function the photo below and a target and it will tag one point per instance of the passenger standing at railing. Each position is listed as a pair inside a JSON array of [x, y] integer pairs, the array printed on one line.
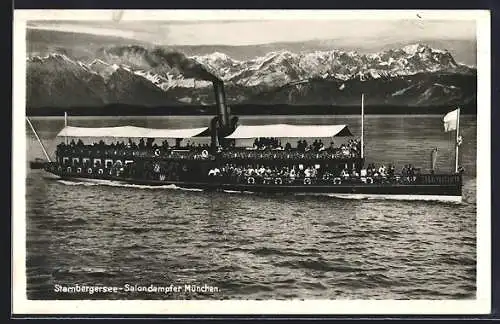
[[390, 170], [284, 172], [258, 143], [307, 172], [314, 173], [411, 170], [321, 146], [344, 174], [239, 173], [304, 145], [404, 171], [381, 170]]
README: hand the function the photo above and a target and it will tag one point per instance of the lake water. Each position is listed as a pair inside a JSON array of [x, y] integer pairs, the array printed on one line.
[[254, 246]]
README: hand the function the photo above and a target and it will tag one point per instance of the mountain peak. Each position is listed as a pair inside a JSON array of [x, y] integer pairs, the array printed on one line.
[[118, 71], [280, 53], [50, 57], [60, 57], [221, 56], [98, 62], [413, 49]]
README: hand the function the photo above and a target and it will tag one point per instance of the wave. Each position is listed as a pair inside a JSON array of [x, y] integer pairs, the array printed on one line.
[[266, 251], [238, 192], [110, 183], [89, 271], [134, 246], [459, 260], [137, 230], [318, 265], [430, 198], [77, 221]]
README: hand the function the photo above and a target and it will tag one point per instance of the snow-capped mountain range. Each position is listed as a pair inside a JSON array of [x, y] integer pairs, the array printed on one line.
[[412, 75]]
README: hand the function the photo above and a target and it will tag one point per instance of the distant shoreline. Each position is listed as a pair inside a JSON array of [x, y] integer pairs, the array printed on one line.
[[246, 110]]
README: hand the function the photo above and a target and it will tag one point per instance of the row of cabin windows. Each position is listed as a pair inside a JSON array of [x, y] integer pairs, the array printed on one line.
[[108, 163]]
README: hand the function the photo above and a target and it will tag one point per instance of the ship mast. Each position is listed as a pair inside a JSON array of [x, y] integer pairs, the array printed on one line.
[[362, 125], [65, 125], [457, 140]]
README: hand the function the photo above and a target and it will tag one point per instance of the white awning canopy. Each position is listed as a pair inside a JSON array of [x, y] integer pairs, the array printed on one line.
[[130, 132], [288, 131]]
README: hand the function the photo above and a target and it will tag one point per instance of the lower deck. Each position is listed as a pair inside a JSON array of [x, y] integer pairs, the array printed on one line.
[[412, 191]]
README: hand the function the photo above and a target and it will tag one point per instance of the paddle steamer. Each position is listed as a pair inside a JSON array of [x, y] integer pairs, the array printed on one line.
[[223, 166]]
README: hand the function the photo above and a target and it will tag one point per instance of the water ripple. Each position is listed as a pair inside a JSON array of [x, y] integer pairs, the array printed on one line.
[[253, 246]]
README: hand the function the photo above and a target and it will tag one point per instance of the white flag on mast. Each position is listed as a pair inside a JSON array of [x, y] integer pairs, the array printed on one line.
[[450, 121]]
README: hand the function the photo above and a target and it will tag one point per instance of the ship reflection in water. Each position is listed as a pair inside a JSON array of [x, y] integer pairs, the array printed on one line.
[[252, 246]]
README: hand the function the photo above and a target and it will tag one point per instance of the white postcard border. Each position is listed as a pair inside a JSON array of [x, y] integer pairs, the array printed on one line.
[[481, 305]]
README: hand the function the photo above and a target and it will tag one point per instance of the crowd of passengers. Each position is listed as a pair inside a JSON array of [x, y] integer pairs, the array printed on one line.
[[272, 143], [260, 173], [147, 144], [189, 151], [264, 148], [271, 148], [285, 155]]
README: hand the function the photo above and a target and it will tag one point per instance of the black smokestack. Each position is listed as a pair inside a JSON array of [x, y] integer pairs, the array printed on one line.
[[187, 66], [220, 102], [190, 68]]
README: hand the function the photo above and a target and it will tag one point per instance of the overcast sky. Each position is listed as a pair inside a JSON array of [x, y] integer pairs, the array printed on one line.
[[269, 31]]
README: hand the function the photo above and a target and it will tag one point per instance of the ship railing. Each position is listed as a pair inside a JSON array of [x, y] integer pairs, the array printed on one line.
[[200, 153], [440, 179], [170, 152], [287, 155], [338, 180]]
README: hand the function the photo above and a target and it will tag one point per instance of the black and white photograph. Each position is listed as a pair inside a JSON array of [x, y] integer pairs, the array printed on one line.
[[238, 161]]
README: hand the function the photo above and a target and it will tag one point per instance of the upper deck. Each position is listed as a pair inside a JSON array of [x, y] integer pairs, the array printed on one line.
[[204, 152]]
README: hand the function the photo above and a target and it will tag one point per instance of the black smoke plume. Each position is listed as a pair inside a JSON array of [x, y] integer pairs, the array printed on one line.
[[187, 66]]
